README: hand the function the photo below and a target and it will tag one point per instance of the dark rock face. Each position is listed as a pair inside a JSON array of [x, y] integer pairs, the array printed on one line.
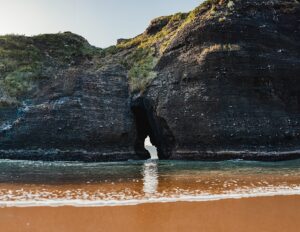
[[229, 84], [83, 116]]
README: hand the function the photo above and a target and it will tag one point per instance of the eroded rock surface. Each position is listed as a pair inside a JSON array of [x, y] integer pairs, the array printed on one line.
[[80, 110], [228, 86]]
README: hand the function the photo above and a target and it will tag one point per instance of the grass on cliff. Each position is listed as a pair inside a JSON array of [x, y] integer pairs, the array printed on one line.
[[160, 38], [26, 60], [23, 60], [148, 47], [166, 34], [65, 47], [144, 59], [140, 64]]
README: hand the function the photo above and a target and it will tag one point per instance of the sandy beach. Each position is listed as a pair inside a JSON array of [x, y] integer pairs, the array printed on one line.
[[268, 214]]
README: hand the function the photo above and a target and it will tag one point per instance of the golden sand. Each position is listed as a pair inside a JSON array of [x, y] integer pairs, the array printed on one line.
[[265, 214]]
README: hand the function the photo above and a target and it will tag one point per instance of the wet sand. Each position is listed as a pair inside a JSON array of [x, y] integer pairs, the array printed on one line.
[[266, 214]]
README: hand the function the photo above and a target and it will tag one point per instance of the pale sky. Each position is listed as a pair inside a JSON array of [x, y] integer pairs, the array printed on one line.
[[101, 22]]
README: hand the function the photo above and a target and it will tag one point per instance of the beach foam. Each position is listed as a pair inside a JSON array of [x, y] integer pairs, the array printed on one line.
[[257, 192]]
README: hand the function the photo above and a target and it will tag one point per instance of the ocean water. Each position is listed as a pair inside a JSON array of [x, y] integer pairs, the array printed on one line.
[[36, 183]]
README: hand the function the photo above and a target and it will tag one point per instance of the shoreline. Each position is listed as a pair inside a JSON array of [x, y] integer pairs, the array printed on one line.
[[137, 202], [268, 214], [52, 155]]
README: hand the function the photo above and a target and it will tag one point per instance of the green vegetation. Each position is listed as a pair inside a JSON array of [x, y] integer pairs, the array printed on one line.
[[18, 82], [19, 62], [23, 60], [148, 47], [65, 47], [112, 50], [140, 64], [175, 23], [161, 38]]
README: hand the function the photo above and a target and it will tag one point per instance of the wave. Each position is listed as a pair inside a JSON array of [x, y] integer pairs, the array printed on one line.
[[257, 192]]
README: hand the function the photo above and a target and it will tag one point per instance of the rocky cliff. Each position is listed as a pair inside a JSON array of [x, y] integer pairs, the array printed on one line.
[[61, 101], [227, 81], [219, 82]]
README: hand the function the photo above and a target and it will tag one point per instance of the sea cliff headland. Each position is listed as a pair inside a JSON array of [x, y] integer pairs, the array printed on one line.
[[219, 82]]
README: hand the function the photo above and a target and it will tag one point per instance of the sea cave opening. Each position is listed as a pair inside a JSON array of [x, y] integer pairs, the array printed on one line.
[[146, 144], [151, 148]]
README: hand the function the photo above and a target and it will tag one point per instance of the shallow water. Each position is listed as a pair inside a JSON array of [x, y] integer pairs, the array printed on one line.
[[30, 183]]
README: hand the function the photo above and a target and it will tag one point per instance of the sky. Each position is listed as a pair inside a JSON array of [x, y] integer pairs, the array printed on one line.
[[101, 22]]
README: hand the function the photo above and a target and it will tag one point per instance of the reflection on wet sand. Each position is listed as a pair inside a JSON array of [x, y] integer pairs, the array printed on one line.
[[150, 177]]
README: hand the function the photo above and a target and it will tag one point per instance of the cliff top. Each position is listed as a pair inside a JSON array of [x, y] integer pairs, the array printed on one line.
[[26, 59]]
